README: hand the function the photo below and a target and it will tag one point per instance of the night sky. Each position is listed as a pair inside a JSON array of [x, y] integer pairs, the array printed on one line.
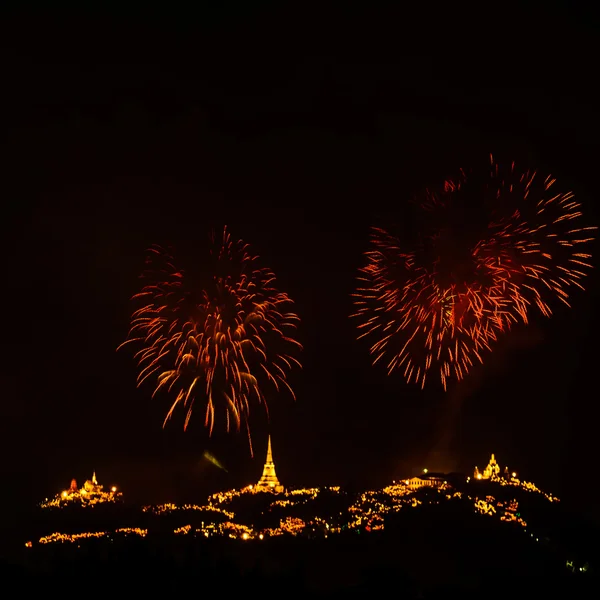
[[298, 133]]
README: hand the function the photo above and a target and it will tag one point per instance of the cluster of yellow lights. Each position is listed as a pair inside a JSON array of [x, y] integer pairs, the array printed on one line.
[[90, 494], [506, 511], [367, 512], [485, 507], [304, 493], [76, 537], [283, 503], [300, 496], [492, 473], [169, 507], [289, 525], [183, 530], [292, 525], [527, 486], [370, 507]]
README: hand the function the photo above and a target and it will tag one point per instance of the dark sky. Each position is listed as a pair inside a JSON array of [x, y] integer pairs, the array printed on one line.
[[298, 132]]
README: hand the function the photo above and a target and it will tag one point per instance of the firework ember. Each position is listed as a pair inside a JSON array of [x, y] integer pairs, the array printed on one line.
[[488, 250], [221, 342]]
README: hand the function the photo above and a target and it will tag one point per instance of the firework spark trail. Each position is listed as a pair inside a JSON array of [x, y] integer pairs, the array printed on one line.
[[432, 307], [222, 342]]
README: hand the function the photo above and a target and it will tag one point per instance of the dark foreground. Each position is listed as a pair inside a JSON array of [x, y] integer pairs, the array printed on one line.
[[426, 562]]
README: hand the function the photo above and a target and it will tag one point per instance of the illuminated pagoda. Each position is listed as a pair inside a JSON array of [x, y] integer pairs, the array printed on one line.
[[90, 494], [492, 471], [269, 482]]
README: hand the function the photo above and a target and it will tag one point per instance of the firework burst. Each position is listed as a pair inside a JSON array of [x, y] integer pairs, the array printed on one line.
[[489, 251], [222, 342]]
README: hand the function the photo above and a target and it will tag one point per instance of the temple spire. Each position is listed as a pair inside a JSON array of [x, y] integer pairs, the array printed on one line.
[[492, 471], [269, 482]]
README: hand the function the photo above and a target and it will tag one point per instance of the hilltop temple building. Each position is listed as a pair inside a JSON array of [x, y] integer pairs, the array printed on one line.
[[91, 493], [268, 481], [432, 480], [492, 471]]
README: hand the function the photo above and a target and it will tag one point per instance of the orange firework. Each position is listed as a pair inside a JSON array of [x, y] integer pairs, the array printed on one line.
[[220, 342], [444, 302]]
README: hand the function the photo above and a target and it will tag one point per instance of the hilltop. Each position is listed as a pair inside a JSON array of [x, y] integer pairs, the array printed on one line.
[[434, 532]]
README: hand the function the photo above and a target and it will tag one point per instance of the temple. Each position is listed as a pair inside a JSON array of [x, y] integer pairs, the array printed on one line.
[[492, 471], [269, 482], [432, 480], [91, 493]]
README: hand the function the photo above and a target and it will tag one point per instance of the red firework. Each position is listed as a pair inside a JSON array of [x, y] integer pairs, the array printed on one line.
[[444, 302], [221, 342]]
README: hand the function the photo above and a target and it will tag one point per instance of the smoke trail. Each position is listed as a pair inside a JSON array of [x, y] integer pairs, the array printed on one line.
[[441, 455]]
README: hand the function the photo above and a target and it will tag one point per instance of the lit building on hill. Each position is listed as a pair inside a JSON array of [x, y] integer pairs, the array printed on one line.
[[432, 480], [268, 481], [508, 478], [492, 471], [90, 494]]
